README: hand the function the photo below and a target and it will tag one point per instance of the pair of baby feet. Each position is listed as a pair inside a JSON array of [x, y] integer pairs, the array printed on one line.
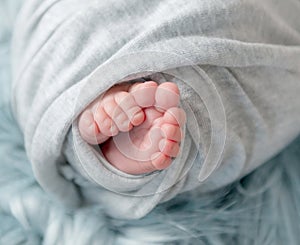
[[137, 125]]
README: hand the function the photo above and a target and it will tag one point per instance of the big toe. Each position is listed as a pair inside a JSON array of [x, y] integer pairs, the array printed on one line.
[[88, 128], [166, 96], [144, 93]]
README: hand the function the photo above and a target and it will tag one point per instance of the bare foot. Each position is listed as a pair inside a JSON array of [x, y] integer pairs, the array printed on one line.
[[138, 126]]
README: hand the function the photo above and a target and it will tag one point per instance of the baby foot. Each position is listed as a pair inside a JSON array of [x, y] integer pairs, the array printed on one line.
[[138, 125]]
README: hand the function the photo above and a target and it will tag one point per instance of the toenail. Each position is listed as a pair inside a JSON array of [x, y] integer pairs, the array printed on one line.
[[150, 84], [113, 129], [138, 117]]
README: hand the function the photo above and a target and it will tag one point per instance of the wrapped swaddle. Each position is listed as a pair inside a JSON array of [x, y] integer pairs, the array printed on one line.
[[237, 65]]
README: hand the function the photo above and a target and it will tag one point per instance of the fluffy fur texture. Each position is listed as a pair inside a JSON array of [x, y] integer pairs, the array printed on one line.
[[262, 208]]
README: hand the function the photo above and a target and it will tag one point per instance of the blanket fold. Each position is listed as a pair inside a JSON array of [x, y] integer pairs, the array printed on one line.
[[229, 60]]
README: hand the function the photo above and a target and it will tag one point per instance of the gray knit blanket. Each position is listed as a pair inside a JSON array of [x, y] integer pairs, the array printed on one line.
[[236, 62]]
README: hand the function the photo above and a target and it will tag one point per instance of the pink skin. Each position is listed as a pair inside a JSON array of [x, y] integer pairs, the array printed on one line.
[[139, 126]]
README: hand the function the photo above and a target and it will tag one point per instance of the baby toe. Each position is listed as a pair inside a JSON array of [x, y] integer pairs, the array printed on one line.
[[166, 96], [86, 122], [87, 126], [136, 116], [89, 129], [171, 132], [122, 121], [105, 124], [169, 148], [144, 93], [128, 104], [175, 115], [160, 161], [116, 114]]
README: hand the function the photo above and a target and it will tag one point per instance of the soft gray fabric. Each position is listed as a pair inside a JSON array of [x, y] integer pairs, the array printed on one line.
[[237, 64]]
